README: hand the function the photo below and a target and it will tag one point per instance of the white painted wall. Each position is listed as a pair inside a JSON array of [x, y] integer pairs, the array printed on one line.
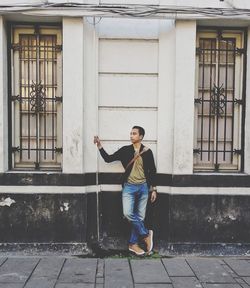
[[90, 95], [73, 95], [166, 97], [128, 83], [3, 99], [184, 97], [123, 72]]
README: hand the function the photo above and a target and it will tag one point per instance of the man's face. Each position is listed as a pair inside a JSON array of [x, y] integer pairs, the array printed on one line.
[[134, 136]]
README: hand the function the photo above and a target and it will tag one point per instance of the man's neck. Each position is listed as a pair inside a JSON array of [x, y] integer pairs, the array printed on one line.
[[137, 145]]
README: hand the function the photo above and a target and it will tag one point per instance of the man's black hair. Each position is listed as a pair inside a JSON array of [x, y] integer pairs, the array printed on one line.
[[140, 129]]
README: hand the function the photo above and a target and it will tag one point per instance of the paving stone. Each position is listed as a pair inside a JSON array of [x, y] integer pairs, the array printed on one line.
[[99, 281], [41, 282], [117, 274], [210, 270], [247, 280], [75, 285], [240, 281], [229, 270], [2, 260], [78, 271], [46, 273], [11, 285], [98, 285], [241, 267], [149, 271], [221, 285], [244, 285], [185, 282], [48, 267], [153, 286], [177, 267], [100, 268], [17, 270]]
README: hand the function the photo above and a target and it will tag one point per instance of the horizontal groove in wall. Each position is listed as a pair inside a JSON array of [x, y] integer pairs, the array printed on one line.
[[155, 40], [129, 74], [126, 141], [127, 108]]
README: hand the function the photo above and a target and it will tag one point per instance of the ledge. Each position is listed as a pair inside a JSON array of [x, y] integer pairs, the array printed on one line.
[[88, 179]]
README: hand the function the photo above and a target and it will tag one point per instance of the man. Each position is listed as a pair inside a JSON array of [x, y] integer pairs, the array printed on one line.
[[139, 176]]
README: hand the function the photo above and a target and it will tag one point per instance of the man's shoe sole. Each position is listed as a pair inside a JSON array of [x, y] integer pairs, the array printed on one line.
[[151, 238], [136, 253]]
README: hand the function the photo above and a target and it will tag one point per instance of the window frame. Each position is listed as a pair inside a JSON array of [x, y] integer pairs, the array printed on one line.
[[229, 31], [28, 28]]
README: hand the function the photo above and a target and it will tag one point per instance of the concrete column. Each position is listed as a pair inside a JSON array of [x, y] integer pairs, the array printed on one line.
[[3, 99], [166, 92], [90, 95], [184, 97], [247, 119], [73, 95]]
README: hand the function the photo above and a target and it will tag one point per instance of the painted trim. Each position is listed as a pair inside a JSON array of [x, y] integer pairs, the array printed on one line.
[[229, 191], [14, 178], [47, 189]]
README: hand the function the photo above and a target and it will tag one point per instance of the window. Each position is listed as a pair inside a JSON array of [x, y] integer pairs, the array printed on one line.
[[219, 102], [36, 97]]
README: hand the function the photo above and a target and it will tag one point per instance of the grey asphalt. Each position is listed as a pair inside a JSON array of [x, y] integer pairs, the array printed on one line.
[[74, 272]]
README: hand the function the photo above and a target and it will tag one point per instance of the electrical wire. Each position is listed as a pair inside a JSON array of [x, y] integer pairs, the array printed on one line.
[[132, 10]]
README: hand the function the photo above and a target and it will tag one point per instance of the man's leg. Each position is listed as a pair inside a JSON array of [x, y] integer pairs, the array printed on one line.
[[141, 211], [129, 194], [128, 203], [135, 214]]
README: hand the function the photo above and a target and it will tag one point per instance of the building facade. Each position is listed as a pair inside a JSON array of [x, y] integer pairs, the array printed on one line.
[[69, 71]]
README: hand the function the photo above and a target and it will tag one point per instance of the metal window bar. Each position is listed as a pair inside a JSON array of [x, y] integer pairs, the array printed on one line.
[[217, 60], [37, 100]]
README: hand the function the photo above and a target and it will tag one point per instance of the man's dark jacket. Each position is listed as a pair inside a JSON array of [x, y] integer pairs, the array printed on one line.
[[125, 154]]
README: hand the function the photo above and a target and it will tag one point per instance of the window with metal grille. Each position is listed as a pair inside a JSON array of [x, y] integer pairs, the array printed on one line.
[[219, 102], [36, 97]]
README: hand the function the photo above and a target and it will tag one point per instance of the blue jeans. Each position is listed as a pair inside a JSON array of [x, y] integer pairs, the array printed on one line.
[[134, 201]]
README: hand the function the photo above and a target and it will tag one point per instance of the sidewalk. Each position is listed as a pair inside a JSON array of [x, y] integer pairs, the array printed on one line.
[[74, 272]]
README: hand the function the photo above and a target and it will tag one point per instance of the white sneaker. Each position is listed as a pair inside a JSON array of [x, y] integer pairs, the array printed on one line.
[[136, 249]]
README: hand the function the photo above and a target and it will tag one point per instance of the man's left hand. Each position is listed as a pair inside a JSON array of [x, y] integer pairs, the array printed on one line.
[[153, 196]]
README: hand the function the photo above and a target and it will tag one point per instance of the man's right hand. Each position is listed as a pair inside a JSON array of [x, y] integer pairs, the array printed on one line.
[[97, 142]]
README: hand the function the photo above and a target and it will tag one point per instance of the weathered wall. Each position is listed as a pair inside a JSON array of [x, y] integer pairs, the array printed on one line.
[[43, 218], [125, 72], [71, 219]]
